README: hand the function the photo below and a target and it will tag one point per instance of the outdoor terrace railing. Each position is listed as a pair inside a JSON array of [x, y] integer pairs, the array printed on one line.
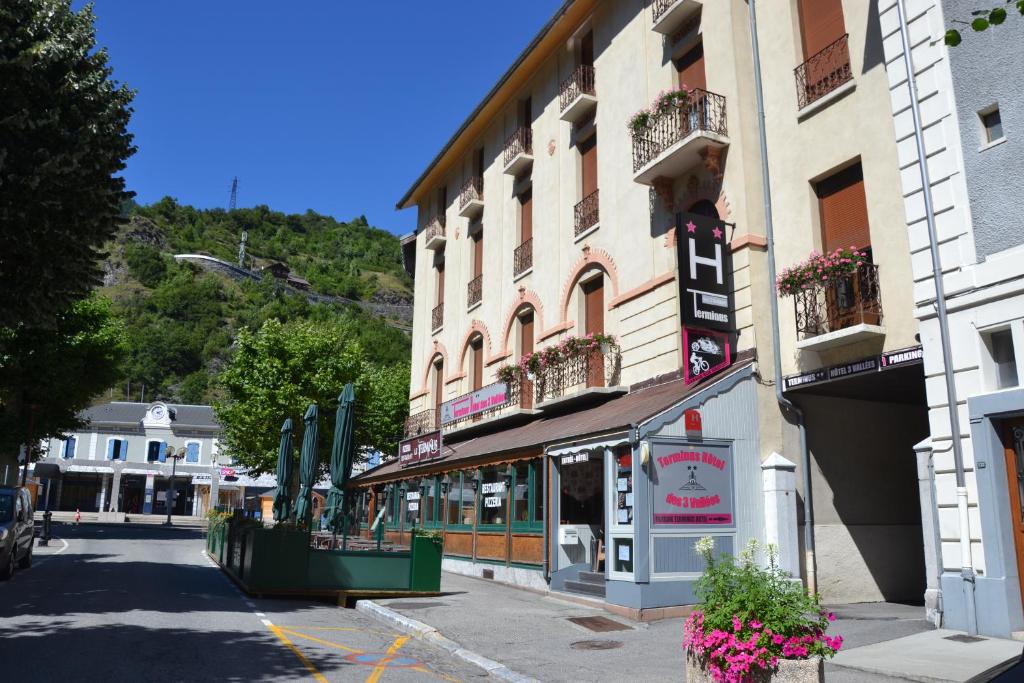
[[474, 291], [522, 257], [850, 299], [520, 142], [702, 111], [598, 368], [437, 316], [420, 423], [586, 212], [471, 189], [580, 82], [659, 7], [823, 73]]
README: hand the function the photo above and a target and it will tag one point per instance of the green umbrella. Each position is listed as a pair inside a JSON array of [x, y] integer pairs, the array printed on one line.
[[283, 504], [341, 457], [307, 467]]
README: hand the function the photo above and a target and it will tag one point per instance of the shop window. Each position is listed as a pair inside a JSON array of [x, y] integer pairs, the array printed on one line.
[[412, 505], [431, 494], [69, 448], [192, 452], [528, 496], [391, 505], [624, 489], [521, 493], [538, 492], [493, 496], [117, 449], [461, 499]]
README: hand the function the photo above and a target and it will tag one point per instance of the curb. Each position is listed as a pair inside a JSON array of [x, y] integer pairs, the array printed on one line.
[[431, 635]]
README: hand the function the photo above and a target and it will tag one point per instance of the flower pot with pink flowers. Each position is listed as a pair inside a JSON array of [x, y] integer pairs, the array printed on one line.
[[754, 623]]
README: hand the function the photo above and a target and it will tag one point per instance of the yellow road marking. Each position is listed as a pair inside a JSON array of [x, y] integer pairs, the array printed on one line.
[[317, 676], [320, 641], [379, 669]]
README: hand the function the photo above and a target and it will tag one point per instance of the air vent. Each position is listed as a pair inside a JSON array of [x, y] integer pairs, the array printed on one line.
[[488, 574]]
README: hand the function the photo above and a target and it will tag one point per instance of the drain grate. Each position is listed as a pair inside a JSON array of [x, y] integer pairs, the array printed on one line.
[[599, 624], [960, 638], [596, 644]]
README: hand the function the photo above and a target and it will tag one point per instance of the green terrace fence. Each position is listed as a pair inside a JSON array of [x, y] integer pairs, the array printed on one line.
[[280, 561]]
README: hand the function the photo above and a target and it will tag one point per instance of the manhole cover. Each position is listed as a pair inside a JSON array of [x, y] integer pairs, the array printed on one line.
[[960, 638], [599, 624], [414, 605], [596, 644]]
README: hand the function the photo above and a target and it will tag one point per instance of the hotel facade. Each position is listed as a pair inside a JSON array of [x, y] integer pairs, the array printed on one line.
[[593, 376]]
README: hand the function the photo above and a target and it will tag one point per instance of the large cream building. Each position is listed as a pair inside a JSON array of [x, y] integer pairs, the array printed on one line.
[[552, 214]]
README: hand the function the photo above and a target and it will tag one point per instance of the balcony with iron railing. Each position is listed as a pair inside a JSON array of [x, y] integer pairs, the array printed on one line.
[[421, 423], [437, 317], [580, 377], [843, 310], [471, 198], [668, 15], [516, 405], [673, 139], [518, 154], [577, 97], [435, 232], [522, 258], [824, 73], [586, 213], [475, 291]]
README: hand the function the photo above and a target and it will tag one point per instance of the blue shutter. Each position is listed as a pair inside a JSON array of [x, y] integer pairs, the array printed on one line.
[[163, 452], [123, 450], [192, 454], [111, 445], [69, 448]]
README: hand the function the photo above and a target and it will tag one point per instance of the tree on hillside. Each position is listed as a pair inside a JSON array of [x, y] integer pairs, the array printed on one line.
[[63, 136], [59, 370], [281, 368]]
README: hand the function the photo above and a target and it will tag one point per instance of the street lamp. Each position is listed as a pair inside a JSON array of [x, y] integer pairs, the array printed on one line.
[[171, 494]]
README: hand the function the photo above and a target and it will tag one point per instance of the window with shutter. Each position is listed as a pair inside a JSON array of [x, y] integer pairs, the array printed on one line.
[[691, 69], [821, 24], [192, 453], [844, 210]]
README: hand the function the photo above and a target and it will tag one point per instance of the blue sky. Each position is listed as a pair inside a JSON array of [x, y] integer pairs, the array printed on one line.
[[330, 105]]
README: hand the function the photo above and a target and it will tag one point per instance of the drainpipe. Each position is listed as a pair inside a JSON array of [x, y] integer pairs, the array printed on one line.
[[966, 561], [785, 404], [546, 568]]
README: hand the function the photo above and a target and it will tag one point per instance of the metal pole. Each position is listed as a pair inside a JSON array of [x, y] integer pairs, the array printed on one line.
[[805, 456], [966, 561], [169, 494]]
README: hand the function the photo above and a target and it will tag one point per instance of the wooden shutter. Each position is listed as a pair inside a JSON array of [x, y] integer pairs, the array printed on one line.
[[478, 163], [478, 253], [587, 49], [438, 388], [478, 363], [588, 165], [844, 210], [821, 24], [526, 113], [526, 333], [593, 293], [691, 69], [440, 281], [526, 216]]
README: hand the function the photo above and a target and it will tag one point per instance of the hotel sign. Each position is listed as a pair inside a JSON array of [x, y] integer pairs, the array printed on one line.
[[482, 399], [692, 485], [419, 449], [871, 364], [705, 273]]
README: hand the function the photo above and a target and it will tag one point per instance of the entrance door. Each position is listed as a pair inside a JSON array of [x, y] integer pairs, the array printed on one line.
[[581, 506], [1013, 442]]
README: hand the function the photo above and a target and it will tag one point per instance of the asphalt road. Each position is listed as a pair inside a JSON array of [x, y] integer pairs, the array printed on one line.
[[108, 604]]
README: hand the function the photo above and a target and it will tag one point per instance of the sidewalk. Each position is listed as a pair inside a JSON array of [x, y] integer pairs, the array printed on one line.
[[531, 634]]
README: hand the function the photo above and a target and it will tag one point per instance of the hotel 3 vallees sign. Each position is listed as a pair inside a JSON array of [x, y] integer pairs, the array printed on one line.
[[419, 449], [477, 402]]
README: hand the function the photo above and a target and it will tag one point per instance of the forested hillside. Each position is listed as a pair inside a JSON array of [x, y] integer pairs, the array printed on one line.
[[182, 321]]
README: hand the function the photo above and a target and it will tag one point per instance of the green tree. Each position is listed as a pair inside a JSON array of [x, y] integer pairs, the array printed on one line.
[[63, 137], [982, 21], [145, 263], [278, 370], [59, 370]]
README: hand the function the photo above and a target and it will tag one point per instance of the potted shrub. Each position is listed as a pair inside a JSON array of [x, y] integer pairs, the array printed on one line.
[[754, 623]]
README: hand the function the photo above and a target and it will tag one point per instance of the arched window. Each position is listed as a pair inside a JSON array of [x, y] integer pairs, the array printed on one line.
[[705, 207], [438, 388], [476, 359]]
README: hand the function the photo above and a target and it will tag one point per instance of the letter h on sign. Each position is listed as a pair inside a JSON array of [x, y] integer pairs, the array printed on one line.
[[705, 273]]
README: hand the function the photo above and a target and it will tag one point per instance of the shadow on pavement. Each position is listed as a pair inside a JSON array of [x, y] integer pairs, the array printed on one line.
[[111, 532]]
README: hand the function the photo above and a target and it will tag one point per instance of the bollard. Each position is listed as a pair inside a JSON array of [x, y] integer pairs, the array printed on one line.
[[45, 538]]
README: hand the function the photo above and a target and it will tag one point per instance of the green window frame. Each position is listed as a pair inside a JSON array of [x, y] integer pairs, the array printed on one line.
[[492, 475], [394, 514], [534, 500], [460, 493], [436, 509]]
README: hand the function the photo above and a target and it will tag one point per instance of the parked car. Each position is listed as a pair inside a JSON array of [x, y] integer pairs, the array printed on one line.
[[17, 530]]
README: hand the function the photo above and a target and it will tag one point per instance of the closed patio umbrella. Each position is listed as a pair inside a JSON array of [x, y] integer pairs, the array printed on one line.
[[282, 503], [341, 456], [307, 467]]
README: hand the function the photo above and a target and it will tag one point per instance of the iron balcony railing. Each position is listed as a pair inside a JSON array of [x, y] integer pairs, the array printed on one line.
[[522, 257], [823, 73], [703, 111], [586, 212], [520, 142], [471, 189], [420, 423], [598, 368], [659, 7], [437, 316], [580, 82], [435, 227], [474, 291], [850, 299], [512, 399]]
